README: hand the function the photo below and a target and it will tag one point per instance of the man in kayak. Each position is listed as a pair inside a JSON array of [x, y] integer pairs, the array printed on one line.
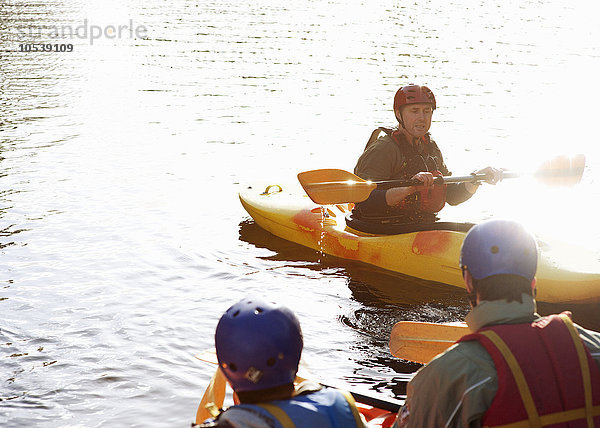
[[258, 347], [409, 153], [516, 367]]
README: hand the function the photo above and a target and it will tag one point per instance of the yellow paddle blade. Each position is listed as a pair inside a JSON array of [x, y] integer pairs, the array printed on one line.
[[421, 341], [562, 170], [334, 186], [213, 398], [208, 356]]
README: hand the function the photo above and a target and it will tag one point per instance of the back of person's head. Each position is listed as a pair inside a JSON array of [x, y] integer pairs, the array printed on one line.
[[258, 346], [501, 256]]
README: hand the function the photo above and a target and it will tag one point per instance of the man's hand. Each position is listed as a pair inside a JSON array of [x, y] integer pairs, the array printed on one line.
[[424, 177], [494, 175], [395, 196]]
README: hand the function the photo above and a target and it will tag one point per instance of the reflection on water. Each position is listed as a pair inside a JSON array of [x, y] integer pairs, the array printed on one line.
[[120, 164]]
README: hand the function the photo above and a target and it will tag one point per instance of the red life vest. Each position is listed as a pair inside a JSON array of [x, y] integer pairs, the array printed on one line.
[[546, 375]]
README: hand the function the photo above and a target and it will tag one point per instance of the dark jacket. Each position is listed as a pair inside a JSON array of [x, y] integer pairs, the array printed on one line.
[[392, 157]]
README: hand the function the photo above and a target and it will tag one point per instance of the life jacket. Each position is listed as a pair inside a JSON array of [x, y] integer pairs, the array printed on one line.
[[325, 407], [546, 375], [428, 200]]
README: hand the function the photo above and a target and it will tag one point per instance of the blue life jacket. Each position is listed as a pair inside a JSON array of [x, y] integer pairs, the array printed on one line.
[[325, 408]]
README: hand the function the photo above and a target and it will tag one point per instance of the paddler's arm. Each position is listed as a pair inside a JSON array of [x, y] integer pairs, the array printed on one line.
[[457, 193], [381, 200], [374, 205], [395, 195], [377, 163]]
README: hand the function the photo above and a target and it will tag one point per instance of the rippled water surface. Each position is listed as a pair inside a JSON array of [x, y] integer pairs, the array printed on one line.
[[122, 238]]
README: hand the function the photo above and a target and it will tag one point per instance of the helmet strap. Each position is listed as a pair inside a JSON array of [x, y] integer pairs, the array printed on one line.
[[470, 286], [411, 138], [472, 298], [399, 118]]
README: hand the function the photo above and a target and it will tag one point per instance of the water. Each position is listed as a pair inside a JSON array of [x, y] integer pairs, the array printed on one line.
[[122, 238]]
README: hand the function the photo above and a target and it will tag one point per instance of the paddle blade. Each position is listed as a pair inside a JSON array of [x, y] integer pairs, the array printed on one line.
[[562, 170], [326, 175], [208, 356], [213, 397], [334, 186], [421, 341]]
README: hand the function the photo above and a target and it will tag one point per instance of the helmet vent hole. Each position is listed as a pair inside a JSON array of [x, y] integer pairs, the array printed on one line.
[[258, 311], [494, 249], [236, 314], [232, 367], [271, 362]]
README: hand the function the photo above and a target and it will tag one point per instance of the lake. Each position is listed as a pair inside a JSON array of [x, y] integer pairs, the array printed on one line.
[[124, 144]]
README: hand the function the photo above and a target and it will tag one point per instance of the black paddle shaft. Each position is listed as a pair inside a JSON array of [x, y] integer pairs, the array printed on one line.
[[473, 178], [376, 402], [390, 406]]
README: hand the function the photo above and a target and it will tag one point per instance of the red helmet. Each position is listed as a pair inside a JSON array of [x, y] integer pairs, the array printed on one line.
[[413, 94]]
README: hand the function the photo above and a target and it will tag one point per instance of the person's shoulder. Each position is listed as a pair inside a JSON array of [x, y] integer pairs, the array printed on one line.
[[240, 416], [453, 389], [309, 390], [433, 143], [377, 160], [469, 351], [382, 147], [383, 142], [461, 359]]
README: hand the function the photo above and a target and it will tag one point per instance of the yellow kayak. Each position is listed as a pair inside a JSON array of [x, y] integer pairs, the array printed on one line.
[[432, 255]]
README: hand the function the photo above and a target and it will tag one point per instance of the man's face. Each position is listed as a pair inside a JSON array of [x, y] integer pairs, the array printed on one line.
[[417, 118]]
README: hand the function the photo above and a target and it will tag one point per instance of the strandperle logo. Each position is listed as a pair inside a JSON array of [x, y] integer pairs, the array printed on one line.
[[85, 31]]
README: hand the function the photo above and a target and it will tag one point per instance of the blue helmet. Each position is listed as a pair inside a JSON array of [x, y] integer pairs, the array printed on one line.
[[258, 345], [499, 247]]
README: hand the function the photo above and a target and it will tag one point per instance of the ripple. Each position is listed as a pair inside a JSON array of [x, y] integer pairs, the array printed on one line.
[[120, 253]]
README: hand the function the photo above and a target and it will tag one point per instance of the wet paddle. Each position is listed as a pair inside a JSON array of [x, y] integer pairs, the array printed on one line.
[[336, 186], [213, 397], [421, 341]]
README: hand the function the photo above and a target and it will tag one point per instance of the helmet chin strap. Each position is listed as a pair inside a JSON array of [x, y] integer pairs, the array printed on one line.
[[472, 294], [403, 128], [472, 298], [400, 119]]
